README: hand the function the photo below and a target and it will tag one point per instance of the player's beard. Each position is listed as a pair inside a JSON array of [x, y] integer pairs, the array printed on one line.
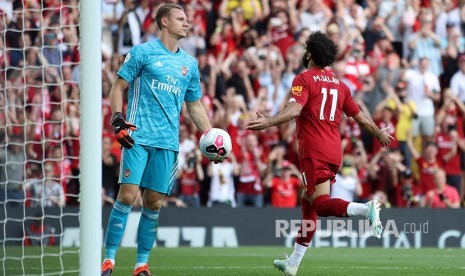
[[305, 60]]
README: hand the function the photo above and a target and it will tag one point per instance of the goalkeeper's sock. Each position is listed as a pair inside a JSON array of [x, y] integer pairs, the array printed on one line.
[[297, 254], [325, 206], [146, 235], [308, 224], [115, 228], [357, 209]]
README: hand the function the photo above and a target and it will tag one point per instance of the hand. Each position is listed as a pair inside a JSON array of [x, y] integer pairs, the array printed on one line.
[[120, 126], [454, 134], [385, 138], [219, 161], [261, 123]]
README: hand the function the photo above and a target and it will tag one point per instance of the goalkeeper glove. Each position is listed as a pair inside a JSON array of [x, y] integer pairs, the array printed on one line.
[[120, 126]]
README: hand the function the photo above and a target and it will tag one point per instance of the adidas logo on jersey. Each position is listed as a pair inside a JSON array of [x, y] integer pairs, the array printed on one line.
[[159, 63]]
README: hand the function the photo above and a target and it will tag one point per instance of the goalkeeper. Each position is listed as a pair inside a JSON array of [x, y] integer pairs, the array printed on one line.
[[160, 76]]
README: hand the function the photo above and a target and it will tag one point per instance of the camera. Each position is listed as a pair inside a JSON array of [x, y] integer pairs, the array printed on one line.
[[451, 127], [441, 197], [191, 162]]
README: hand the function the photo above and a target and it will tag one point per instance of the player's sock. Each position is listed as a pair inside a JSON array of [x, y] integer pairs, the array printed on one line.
[[115, 229], [297, 254], [146, 234], [308, 225], [306, 232], [357, 209], [325, 206]]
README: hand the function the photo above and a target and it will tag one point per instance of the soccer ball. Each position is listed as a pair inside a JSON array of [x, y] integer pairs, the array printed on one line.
[[215, 144]]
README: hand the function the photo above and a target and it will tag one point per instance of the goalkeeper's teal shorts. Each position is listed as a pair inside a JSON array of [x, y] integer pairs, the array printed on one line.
[[151, 168]]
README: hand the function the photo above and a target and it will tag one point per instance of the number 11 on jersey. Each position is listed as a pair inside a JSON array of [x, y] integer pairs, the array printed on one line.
[[333, 93]]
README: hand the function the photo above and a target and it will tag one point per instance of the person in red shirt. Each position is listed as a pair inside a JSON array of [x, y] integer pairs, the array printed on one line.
[[284, 186], [384, 117], [318, 100], [428, 163], [449, 150], [249, 191], [443, 195], [38, 233], [407, 192], [190, 176]]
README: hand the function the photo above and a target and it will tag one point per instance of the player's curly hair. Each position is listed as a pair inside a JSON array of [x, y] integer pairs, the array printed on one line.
[[322, 49], [164, 11]]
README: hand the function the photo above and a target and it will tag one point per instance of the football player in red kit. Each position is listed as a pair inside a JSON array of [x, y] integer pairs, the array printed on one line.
[[317, 102]]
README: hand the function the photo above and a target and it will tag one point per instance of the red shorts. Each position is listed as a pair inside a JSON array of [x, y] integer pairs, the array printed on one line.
[[315, 172]]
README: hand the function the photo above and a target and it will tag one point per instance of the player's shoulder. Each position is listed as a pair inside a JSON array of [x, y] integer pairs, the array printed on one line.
[[188, 59], [141, 50], [143, 47]]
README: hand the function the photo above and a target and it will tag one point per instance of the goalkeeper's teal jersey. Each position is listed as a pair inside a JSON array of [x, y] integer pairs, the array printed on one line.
[[159, 82]]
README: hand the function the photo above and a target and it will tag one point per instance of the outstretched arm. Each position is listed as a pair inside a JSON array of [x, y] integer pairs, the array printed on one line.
[[411, 147], [367, 124], [198, 115], [291, 111]]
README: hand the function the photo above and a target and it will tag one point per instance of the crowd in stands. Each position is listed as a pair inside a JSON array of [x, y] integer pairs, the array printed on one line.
[[404, 61]]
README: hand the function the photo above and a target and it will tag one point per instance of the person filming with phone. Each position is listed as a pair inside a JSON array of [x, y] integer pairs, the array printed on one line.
[[443, 195]]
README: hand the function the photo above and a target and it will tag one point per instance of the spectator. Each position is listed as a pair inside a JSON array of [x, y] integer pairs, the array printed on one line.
[[313, 15], [249, 188], [450, 145], [189, 178], [222, 191], [347, 185], [283, 25], [386, 76], [38, 233], [130, 32], [361, 166], [51, 50], [408, 193], [110, 169], [426, 44], [452, 46], [443, 195], [457, 83], [186, 145], [12, 160], [428, 163], [111, 12], [47, 192], [423, 89], [284, 185], [384, 117], [406, 111]]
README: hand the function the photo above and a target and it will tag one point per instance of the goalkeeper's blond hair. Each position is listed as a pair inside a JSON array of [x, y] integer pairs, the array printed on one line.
[[164, 11]]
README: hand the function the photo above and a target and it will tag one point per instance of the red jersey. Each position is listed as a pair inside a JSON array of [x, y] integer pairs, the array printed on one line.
[[284, 193], [362, 174], [323, 98], [445, 144], [188, 184], [427, 171], [448, 192]]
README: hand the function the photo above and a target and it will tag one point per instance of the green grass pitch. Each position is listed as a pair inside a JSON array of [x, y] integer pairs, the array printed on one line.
[[251, 261]]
